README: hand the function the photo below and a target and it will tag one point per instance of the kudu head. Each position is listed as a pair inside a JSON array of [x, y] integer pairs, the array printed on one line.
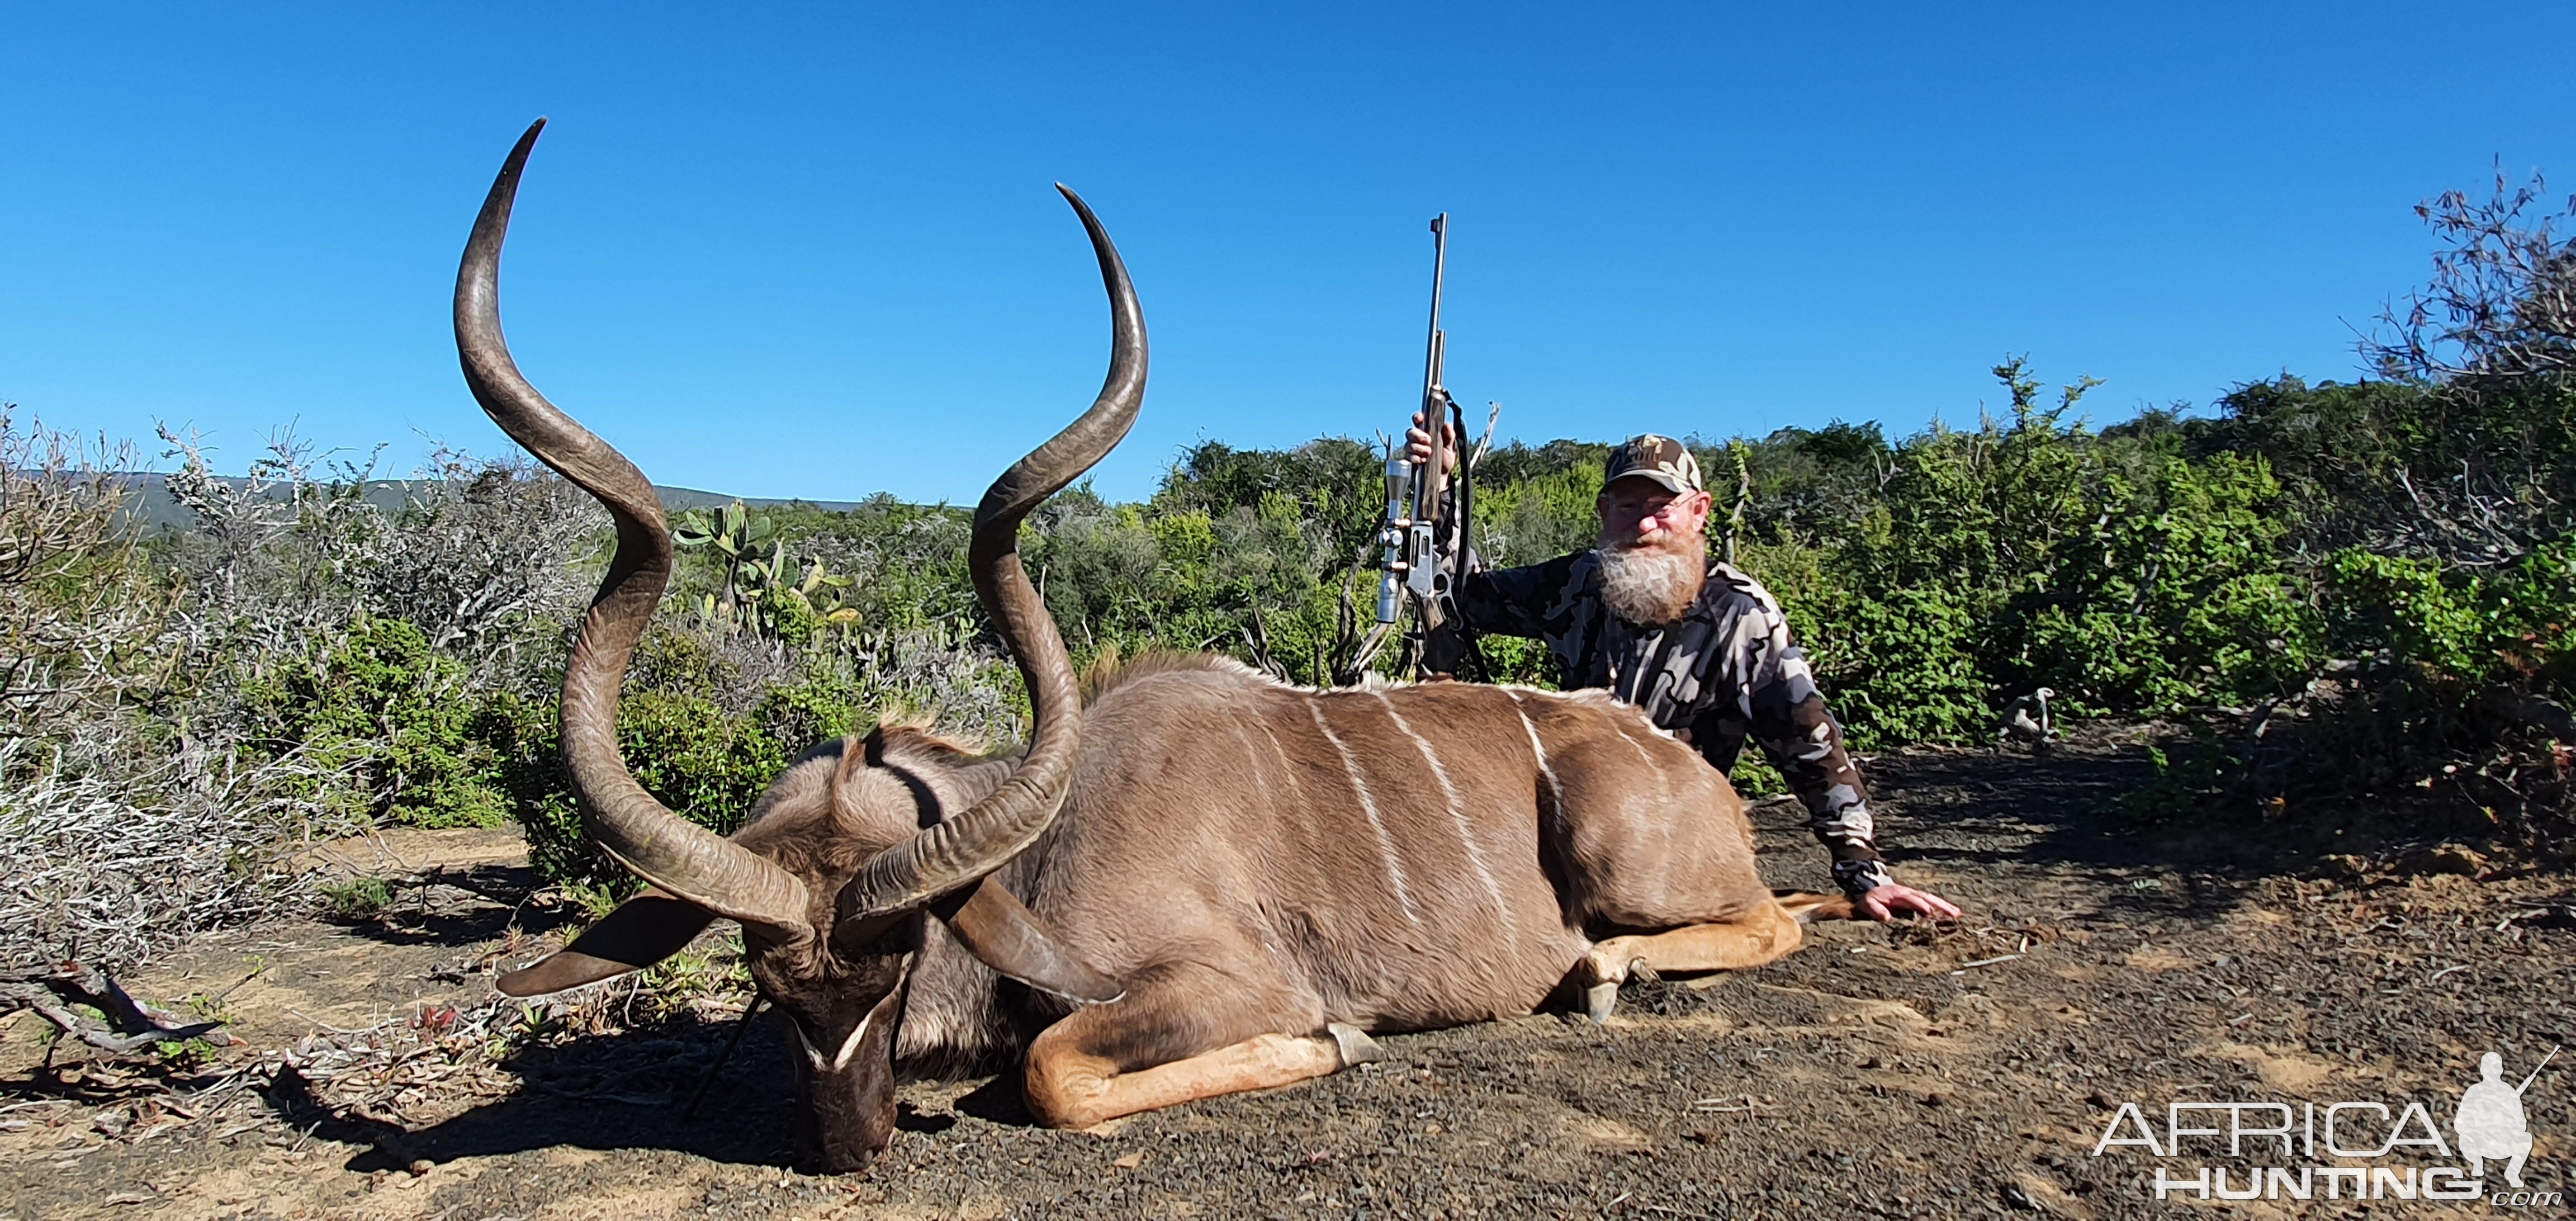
[[859, 844]]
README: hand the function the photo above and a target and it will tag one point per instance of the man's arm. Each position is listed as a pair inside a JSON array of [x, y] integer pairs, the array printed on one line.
[[1512, 601], [1789, 718], [1806, 744]]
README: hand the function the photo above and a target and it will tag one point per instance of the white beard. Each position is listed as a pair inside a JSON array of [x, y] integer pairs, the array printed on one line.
[[1651, 586]]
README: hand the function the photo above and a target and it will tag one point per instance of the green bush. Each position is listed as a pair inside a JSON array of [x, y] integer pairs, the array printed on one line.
[[1539, 517], [688, 739], [393, 730], [2131, 579], [1907, 669], [2467, 679], [357, 900], [2509, 625], [2179, 594]]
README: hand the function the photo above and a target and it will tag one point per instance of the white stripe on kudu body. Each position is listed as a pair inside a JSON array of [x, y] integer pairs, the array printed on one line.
[[1555, 789], [1284, 765], [1264, 931], [1359, 785], [1457, 815], [1621, 724]]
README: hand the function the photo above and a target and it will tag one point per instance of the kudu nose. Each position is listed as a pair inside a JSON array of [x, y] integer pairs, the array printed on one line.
[[850, 1118], [845, 1158]]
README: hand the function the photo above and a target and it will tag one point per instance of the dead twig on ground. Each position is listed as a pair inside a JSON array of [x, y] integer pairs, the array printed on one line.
[[124, 1026]]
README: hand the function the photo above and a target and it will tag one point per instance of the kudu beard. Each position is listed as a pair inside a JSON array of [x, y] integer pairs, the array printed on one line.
[[1653, 583]]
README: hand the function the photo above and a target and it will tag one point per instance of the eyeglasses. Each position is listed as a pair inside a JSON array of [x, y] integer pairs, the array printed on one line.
[[1672, 509]]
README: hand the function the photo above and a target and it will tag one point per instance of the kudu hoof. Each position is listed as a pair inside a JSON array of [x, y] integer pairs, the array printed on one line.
[[1356, 1047], [1600, 1001]]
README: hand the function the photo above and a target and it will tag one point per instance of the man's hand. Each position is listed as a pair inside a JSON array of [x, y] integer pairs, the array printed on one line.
[[1885, 901], [1417, 444]]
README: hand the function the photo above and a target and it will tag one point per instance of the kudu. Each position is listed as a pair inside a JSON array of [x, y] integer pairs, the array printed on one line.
[[1228, 881]]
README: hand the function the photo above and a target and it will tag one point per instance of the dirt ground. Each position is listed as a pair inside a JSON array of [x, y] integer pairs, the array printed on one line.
[[1881, 1071]]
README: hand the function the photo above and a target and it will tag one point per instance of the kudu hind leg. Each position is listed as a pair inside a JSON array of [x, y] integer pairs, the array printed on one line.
[[1764, 934], [1178, 1038]]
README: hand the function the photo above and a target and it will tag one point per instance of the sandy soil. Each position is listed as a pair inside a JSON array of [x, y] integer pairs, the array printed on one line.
[[1943, 1072]]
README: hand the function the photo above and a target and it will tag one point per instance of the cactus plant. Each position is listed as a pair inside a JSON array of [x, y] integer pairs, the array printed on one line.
[[766, 590]]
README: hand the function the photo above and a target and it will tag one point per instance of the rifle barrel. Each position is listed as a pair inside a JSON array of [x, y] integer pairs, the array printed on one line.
[[2535, 1071], [1426, 495]]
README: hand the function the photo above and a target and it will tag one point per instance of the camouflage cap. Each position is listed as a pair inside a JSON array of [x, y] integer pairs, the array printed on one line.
[[1666, 461]]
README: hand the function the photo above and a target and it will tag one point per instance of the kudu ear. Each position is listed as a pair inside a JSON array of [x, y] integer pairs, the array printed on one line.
[[642, 931], [1005, 935]]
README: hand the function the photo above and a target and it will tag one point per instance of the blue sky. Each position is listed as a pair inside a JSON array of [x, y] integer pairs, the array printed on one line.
[[813, 250]]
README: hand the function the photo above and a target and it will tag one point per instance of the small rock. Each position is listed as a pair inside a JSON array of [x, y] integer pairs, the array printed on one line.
[[1703, 1136], [2100, 1101], [1871, 1062], [1130, 1161], [420, 1166], [1935, 1099]]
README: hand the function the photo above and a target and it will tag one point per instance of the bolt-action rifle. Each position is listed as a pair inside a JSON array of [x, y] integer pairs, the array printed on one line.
[[1425, 540]]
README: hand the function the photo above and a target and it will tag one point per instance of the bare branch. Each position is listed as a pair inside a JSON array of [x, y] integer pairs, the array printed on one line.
[[124, 1026], [2502, 302]]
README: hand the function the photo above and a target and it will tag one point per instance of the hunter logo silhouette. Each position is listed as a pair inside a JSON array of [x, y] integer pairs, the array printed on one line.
[[2490, 1120]]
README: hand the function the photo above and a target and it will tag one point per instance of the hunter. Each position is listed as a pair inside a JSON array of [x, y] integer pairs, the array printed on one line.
[[1699, 645]]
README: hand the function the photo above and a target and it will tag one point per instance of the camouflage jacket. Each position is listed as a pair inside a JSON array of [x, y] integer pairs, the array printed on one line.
[[1726, 670]]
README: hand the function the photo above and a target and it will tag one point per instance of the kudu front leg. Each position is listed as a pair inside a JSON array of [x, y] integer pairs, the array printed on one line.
[[1763, 934], [1168, 1042]]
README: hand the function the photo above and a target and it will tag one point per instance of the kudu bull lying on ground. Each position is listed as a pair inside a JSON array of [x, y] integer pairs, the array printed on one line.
[[1227, 881]]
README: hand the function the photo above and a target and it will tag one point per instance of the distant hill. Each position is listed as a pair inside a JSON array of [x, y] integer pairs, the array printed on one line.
[[161, 511], [676, 499]]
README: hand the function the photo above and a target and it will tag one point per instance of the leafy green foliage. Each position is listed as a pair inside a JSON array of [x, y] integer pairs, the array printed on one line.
[[382, 707], [1538, 517], [2509, 625], [763, 589], [2177, 593], [908, 561], [2031, 552], [1903, 667], [686, 736], [1212, 575], [2466, 684], [356, 900], [1336, 483], [709, 719]]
